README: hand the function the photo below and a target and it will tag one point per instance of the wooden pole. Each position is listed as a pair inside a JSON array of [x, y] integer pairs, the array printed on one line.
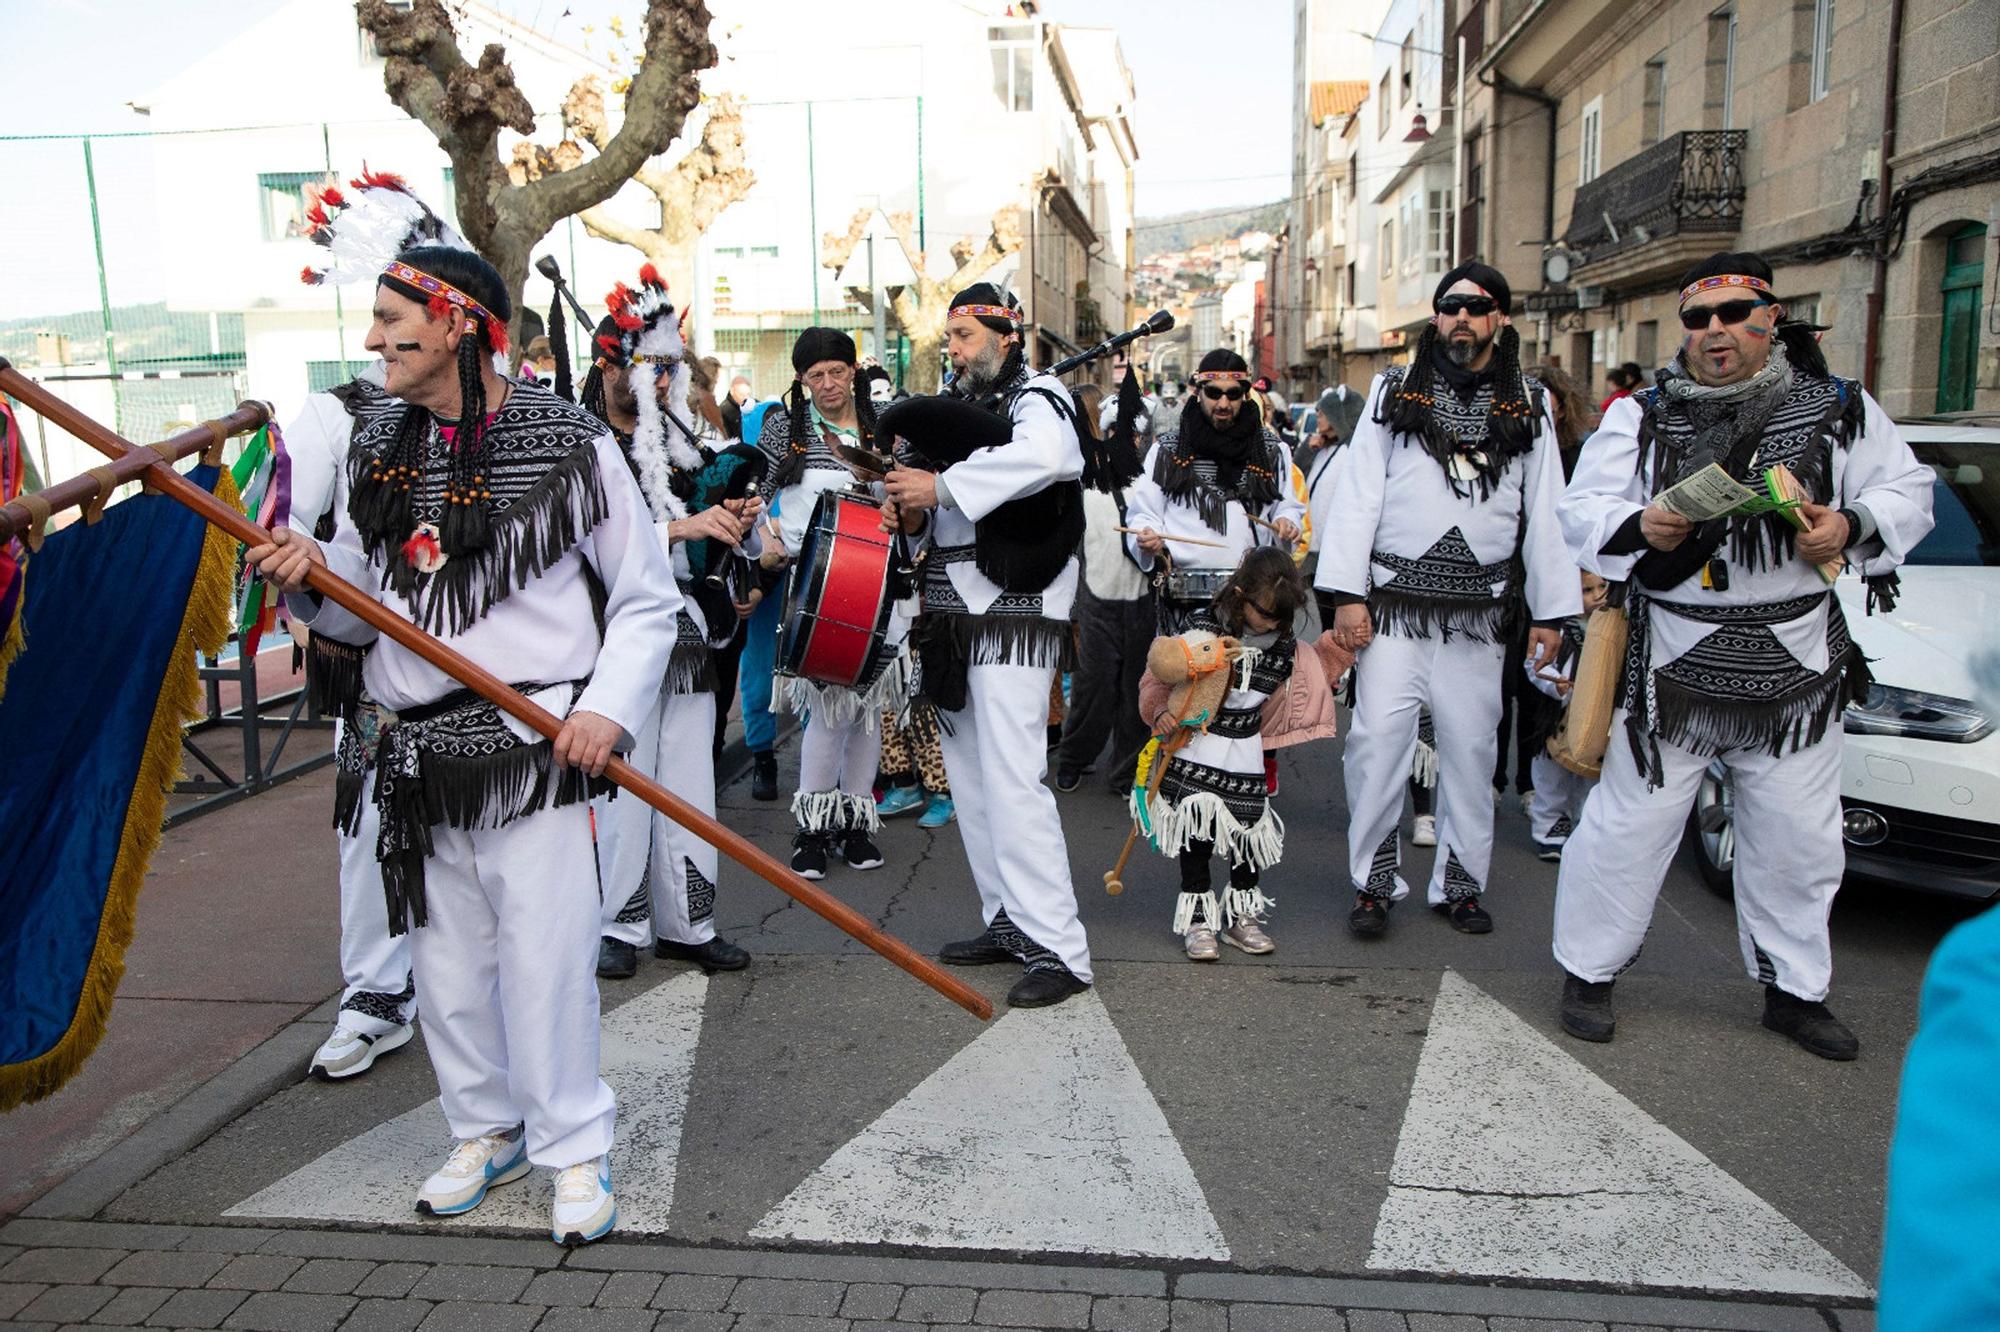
[[491, 687], [18, 515]]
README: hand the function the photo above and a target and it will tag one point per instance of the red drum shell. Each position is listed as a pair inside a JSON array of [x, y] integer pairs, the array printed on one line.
[[837, 616]]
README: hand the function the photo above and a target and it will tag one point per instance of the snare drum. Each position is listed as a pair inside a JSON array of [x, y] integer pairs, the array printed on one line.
[[1193, 587], [837, 615]]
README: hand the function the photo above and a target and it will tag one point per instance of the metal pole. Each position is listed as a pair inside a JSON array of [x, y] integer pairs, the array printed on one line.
[[339, 306], [1457, 160], [920, 168], [812, 214], [875, 300], [103, 287]]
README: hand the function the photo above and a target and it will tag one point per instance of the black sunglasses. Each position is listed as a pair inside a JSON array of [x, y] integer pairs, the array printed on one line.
[[1695, 318], [1214, 394], [1472, 305]]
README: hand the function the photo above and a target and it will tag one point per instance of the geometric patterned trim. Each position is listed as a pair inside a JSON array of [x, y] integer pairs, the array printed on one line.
[[1382, 870], [700, 893], [1459, 885], [639, 906], [1009, 936], [383, 1007]]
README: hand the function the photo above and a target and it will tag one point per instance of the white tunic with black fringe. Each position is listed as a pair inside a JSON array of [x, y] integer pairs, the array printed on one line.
[[1432, 556]]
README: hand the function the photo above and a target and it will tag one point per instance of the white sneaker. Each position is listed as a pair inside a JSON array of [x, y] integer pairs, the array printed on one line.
[[349, 1053], [584, 1208], [475, 1165], [1425, 831], [1528, 802]]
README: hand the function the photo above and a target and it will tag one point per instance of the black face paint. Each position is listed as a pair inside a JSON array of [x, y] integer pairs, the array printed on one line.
[[409, 346]]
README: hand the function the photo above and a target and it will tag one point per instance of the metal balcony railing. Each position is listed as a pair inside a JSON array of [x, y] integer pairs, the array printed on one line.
[[1687, 182]]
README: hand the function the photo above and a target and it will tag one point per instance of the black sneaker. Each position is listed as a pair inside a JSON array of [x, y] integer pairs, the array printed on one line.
[[809, 856], [718, 954], [1370, 917], [980, 952], [1585, 1010], [1810, 1024], [1040, 988], [763, 775], [1466, 916], [1549, 851], [1068, 779], [616, 959], [858, 849]]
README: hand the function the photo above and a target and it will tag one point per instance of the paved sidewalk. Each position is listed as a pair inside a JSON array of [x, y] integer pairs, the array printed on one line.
[[70, 1274]]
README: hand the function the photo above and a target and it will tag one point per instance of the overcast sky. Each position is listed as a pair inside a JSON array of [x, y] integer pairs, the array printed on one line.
[[1212, 114]]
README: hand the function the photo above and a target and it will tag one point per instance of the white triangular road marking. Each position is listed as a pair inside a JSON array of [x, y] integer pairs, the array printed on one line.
[[647, 1057], [1039, 1135], [1515, 1160]]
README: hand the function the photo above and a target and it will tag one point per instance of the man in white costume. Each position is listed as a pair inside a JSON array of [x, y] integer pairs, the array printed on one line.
[[477, 505], [998, 587], [660, 878], [1738, 650], [1441, 528]]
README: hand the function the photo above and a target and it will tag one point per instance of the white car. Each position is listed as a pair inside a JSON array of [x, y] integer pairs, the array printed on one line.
[[1920, 771]]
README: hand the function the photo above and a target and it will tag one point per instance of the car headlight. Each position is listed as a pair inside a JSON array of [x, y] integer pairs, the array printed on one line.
[[1917, 715]]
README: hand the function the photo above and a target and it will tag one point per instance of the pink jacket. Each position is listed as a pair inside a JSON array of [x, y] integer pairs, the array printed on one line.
[[1302, 711]]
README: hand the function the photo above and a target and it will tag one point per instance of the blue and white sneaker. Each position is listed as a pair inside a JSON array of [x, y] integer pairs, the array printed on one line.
[[584, 1208], [899, 800], [475, 1165], [938, 813]]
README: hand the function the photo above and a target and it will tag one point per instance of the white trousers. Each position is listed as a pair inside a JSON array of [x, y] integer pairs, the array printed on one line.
[[374, 967], [1459, 681], [508, 970], [659, 878], [1789, 860], [837, 762], [1559, 797], [996, 755]]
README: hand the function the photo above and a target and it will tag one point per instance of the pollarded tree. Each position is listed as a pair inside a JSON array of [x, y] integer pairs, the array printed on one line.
[[466, 105]]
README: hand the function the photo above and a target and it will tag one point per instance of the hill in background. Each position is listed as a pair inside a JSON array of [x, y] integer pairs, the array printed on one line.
[[1179, 231]]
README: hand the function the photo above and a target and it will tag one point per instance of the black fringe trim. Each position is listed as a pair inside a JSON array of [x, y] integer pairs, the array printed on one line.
[[1409, 616], [1883, 591], [469, 794], [1705, 724], [948, 646], [526, 539], [333, 676], [690, 669], [1768, 540]]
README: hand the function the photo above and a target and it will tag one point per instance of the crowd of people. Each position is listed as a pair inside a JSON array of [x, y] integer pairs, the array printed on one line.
[[1162, 592]]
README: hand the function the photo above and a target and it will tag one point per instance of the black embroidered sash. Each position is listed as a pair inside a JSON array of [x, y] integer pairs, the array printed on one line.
[[453, 762], [1739, 687], [1445, 590]]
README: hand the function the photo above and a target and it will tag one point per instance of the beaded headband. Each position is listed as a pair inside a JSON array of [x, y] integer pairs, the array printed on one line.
[[986, 312], [438, 289], [1206, 376], [1725, 280]]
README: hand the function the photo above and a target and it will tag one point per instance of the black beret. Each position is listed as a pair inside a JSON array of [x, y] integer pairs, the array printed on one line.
[[818, 344]]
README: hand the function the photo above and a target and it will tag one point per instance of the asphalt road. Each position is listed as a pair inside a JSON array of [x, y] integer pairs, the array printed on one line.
[[1285, 1084]]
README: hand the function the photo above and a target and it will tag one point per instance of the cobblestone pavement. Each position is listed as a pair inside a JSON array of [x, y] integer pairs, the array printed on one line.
[[63, 1274]]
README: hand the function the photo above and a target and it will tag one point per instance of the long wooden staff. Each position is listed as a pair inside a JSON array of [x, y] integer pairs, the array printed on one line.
[[495, 690], [24, 514]]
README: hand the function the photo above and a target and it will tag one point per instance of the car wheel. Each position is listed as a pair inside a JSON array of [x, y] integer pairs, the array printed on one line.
[[1712, 825]]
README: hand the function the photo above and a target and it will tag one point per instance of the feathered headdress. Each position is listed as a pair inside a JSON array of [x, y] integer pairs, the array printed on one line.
[[365, 226], [649, 336]]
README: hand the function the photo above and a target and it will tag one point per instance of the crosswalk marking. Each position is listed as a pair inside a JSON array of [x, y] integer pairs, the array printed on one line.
[[648, 1058], [1517, 1161], [1039, 1135]]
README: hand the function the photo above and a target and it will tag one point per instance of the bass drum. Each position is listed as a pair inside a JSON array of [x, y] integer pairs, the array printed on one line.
[[837, 612]]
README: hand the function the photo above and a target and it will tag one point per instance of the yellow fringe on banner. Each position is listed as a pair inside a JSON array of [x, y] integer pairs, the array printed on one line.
[[205, 627], [13, 640]]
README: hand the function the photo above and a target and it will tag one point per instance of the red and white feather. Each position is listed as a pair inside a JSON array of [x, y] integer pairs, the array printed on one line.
[[650, 328]]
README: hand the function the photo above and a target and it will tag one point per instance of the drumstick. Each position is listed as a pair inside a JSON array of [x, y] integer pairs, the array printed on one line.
[[1169, 536]]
